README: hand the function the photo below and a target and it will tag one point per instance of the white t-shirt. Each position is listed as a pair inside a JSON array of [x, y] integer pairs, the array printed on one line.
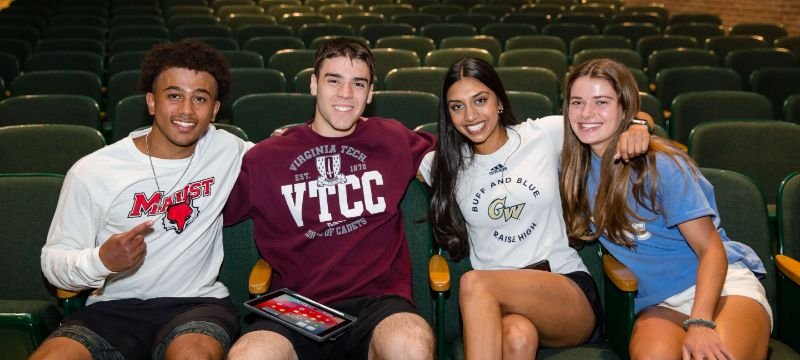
[[511, 203], [112, 190]]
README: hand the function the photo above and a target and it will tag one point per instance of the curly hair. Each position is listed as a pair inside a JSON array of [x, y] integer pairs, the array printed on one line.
[[187, 54]]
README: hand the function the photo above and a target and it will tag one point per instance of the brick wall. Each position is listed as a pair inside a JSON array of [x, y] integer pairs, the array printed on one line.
[[786, 12]]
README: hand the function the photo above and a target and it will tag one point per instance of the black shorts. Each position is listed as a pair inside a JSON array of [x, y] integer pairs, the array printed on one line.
[[586, 283], [142, 329], [353, 343]]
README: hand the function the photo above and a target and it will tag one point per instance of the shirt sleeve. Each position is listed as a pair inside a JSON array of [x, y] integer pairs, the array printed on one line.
[[420, 143], [553, 126], [682, 195], [237, 208], [425, 167], [70, 258]]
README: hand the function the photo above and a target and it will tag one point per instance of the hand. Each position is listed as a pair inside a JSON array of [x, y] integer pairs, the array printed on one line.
[[125, 250], [704, 343], [633, 142]]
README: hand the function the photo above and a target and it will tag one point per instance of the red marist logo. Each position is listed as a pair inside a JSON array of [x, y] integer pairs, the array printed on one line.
[[177, 208]]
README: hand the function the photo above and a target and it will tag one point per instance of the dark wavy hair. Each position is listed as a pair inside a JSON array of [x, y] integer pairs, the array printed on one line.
[[186, 54], [450, 158]]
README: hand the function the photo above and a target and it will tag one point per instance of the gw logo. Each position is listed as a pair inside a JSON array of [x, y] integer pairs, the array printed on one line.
[[498, 209]]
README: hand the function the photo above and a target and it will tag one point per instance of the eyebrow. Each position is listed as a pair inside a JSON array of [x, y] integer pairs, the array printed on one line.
[[479, 93], [339, 76], [178, 88]]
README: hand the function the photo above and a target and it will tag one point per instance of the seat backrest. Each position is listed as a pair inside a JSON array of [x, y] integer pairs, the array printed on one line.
[[291, 61], [569, 31], [534, 79], [240, 255], [247, 32], [75, 82], [627, 57], [427, 79], [309, 32], [536, 42], [695, 17], [243, 58], [260, 114], [551, 59], [746, 61], [777, 84], [448, 57], [130, 114], [46, 148], [50, 109], [649, 44], [412, 108], [71, 44], [419, 44], [633, 31], [762, 150], [246, 81], [538, 21], [504, 31], [699, 31], [359, 19], [17, 47], [476, 20], [791, 109], [126, 60], [528, 104], [389, 59], [651, 105], [769, 31], [137, 31], [598, 42], [29, 202], [266, 46], [788, 210], [133, 44], [722, 45], [437, 32], [200, 30], [488, 43], [669, 58], [743, 215], [692, 108], [9, 67], [674, 81], [65, 60]]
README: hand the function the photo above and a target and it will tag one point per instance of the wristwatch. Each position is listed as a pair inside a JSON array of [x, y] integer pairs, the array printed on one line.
[[643, 122]]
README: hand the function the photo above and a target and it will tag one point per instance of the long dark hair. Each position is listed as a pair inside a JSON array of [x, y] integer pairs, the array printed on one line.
[[452, 155]]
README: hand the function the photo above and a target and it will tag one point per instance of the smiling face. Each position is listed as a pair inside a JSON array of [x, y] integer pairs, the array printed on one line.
[[343, 89], [595, 112], [183, 103], [473, 109]]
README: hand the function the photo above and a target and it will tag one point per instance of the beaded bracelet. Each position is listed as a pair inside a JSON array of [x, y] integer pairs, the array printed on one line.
[[702, 322]]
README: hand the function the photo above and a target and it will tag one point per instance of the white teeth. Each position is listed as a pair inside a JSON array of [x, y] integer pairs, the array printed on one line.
[[476, 127], [183, 123], [343, 108], [590, 125]]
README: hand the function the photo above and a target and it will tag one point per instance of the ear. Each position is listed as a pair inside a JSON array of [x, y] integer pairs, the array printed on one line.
[[217, 105], [369, 96], [313, 86], [150, 99]]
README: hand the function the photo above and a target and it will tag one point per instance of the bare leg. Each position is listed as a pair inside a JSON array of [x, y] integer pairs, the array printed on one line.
[[520, 339], [262, 345], [554, 304], [742, 324], [61, 348], [194, 346], [402, 336]]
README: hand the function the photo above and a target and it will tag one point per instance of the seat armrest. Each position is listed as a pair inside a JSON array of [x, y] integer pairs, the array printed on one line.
[[260, 276], [619, 274], [66, 294], [789, 267], [439, 273]]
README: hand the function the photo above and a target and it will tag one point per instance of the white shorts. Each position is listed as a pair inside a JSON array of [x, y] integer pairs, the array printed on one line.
[[739, 281]]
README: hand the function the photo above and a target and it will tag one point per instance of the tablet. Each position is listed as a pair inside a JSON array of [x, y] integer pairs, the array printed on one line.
[[312, 319]]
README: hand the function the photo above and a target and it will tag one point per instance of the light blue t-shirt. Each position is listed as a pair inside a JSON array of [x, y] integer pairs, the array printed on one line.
[[662, 260]]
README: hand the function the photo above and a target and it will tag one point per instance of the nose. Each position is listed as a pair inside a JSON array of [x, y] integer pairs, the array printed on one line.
[[345, 91], [472, 114], [587, 111], [186, 107]]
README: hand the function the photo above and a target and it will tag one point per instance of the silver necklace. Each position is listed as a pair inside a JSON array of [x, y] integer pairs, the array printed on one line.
[[155, 177]]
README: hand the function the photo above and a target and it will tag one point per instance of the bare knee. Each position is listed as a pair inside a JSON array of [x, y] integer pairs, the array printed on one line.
[[262, 345], [520, 338], [402, 336], [472, 285], [194, 346], [61, 348]]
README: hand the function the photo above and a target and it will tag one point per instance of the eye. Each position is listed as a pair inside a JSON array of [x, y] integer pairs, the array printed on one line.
[[481, 100], [200, 99], [333, 81], [602, 102], [173, 96], [575, 103], [361, 84], [456, 107]]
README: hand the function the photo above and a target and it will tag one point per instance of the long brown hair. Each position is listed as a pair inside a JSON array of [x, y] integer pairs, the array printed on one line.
[[611, 214]]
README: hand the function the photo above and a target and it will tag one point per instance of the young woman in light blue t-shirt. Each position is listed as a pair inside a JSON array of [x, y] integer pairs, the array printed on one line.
[[698, 296]]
